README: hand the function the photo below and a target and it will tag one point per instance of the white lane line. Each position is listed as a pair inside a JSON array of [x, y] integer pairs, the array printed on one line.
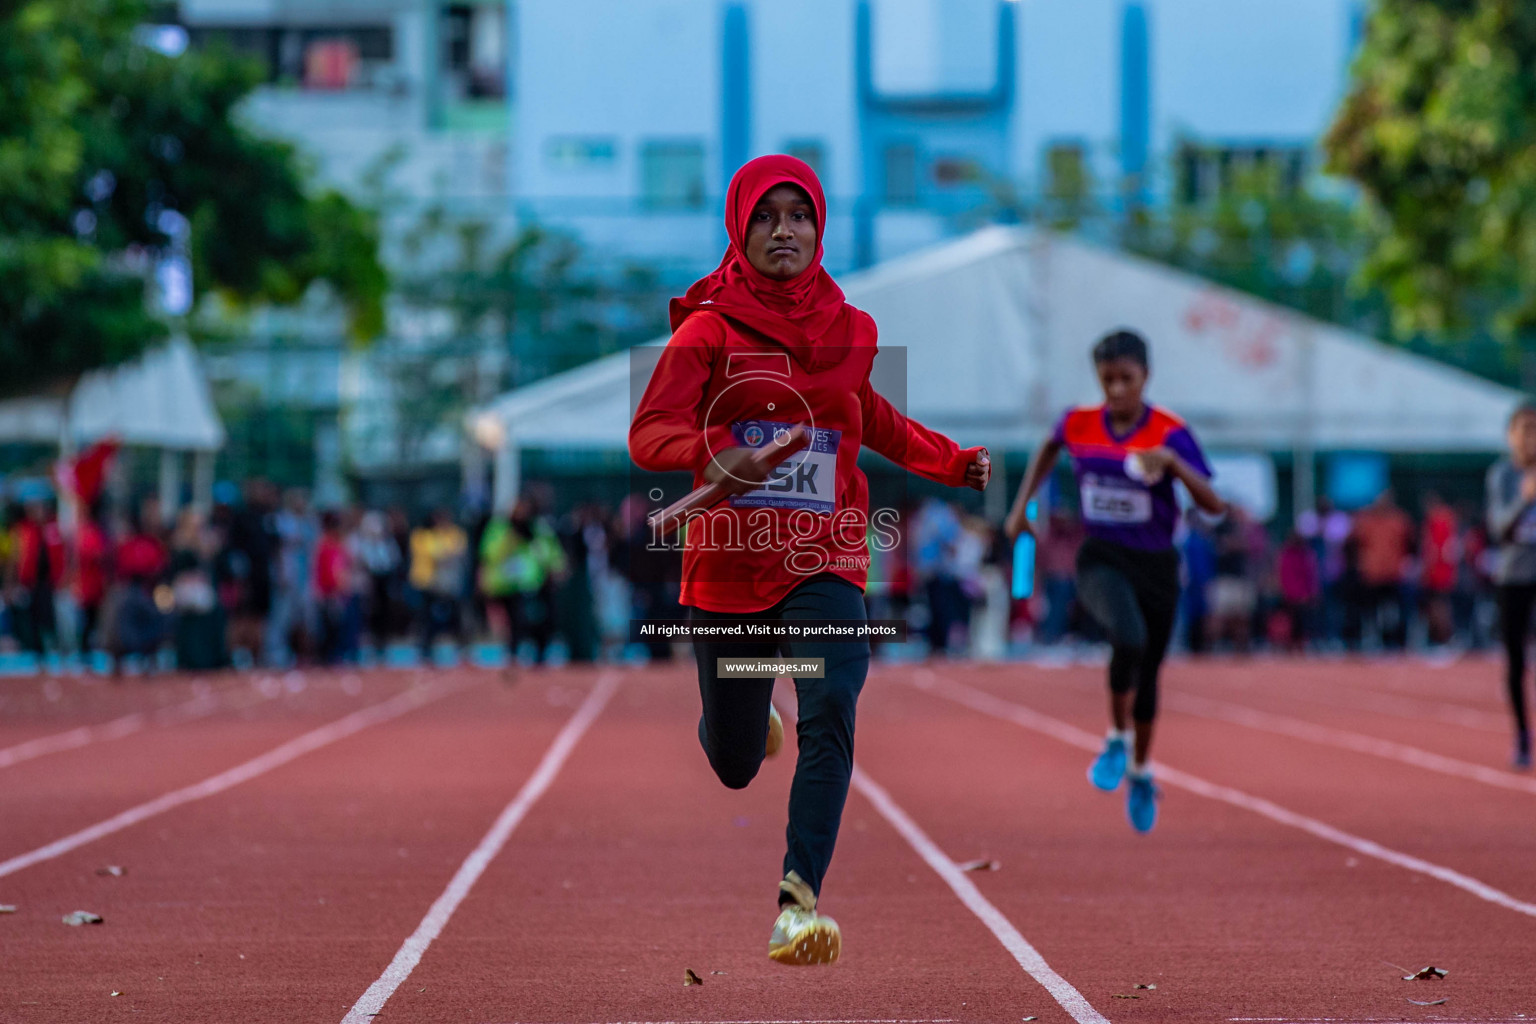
[[73, 739], [415, 947], [813, 1020], [117, 728], [1412, 708], [201, 706], [1282, 725], [275, 758], [1028, 718], [1027, 956]]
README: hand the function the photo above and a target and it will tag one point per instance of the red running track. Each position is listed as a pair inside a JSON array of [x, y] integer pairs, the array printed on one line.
[[436, 846]]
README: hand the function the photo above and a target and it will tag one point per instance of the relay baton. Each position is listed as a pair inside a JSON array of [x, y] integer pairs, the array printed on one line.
[[765, 458], [1024, 558]]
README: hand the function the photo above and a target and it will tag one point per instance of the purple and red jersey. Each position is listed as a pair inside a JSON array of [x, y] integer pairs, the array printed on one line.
[[1116, 507]]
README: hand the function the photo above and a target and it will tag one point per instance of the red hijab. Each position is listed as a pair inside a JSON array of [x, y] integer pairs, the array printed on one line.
[[806, 314]]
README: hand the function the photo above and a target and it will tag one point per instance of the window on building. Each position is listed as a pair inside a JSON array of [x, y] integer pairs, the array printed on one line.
[[330, 64], [927, 48], [901, 174], [949, 171], [475, 51], [812, 152], [313, 56], [1068, 185], [672, 175], [1066, 172], [576, 153], [1205, 173]]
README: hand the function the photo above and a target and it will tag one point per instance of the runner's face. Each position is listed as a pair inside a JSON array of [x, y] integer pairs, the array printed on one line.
[[1522, 439], [781, 236], [1122, 381]]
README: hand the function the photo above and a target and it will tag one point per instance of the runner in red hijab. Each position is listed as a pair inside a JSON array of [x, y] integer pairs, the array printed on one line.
[[797, 313], [765, 342]]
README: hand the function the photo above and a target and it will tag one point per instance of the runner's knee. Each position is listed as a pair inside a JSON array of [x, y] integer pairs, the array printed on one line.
[[734, 771]]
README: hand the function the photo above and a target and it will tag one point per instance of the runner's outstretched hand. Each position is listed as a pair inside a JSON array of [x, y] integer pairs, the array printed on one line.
[[979, 472]]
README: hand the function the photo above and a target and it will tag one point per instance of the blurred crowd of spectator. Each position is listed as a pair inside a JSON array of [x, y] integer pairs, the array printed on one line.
[[264, 578], [1374, 579]]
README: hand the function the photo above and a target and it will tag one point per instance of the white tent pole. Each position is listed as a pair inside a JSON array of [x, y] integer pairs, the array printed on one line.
[[472, 465], [505, 481], [1038, 298], [202, 480], [1303, 479], [170, 484], [69, 504]]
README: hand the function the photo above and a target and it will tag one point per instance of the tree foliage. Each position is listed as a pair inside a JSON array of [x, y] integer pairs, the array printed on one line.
[[1260, 235], [1439, 131], [102, 135], [482, 311]]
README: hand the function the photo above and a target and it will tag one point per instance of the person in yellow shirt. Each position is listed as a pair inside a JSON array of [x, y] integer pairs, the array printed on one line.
[[439, 556]]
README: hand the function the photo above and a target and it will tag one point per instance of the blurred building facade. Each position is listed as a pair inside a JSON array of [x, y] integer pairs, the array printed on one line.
[[424, 86], [923, 117], [621, 121], [401, 103]]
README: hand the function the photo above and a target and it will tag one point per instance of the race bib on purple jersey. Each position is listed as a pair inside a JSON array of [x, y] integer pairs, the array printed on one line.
[[1111, 501], [1119, 502]]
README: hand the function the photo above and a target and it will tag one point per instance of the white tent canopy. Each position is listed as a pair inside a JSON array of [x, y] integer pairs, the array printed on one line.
[[996, 329], [160, 400]]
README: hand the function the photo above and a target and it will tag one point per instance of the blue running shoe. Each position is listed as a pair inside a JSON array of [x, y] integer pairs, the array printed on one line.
[[1141, 803], [1521, 761], [1109, 767]]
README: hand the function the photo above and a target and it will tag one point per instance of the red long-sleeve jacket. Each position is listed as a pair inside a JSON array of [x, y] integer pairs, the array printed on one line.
[[718, 385], [31, 538]]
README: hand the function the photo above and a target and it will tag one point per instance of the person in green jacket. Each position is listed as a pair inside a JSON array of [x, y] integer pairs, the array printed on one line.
[[520, 557]]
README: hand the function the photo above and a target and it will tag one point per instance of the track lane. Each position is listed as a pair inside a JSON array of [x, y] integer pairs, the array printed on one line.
[[1478, 738], [637, 864], [1454, 822], [1229, 913], [288, 892], [44, 798]]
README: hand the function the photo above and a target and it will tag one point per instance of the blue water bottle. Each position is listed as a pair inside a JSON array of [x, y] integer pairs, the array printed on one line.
[[1024, 559]]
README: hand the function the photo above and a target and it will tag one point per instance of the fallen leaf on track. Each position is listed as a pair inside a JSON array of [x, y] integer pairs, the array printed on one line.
[[7, 908], [689, 978], [1122, 995], [113, 870], [716, 972], [117, 993], [1151, 987], [78, 917], [1031, 1018], [979, 865], [1425, 975], [1432, 1002]]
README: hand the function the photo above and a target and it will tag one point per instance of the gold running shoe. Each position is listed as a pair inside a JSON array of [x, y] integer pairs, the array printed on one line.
[[802, 937], [775, 731]]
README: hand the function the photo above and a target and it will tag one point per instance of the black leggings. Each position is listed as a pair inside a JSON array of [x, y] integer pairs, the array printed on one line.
[[1134, 596], [734, 726], [1515, 603]]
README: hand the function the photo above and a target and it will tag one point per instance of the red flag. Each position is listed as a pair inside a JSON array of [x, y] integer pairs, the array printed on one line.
[[85, 475]]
